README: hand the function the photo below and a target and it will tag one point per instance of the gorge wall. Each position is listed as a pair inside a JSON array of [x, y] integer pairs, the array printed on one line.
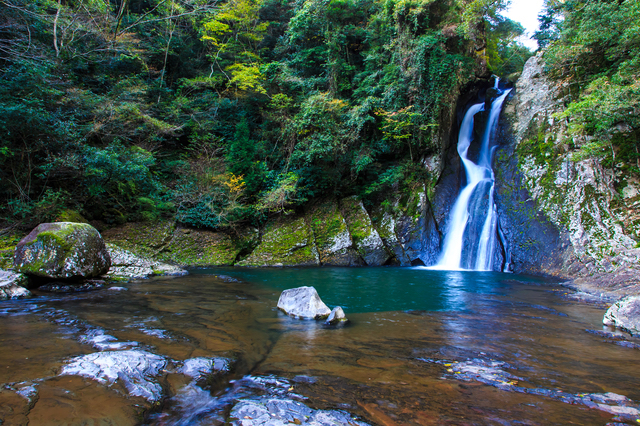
[[563, 215]]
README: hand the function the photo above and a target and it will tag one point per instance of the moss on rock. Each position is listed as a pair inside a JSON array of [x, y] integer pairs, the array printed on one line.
[[62, 250], [366, 239], [286, 241], [194, 247], [334, 242], [142, 238]]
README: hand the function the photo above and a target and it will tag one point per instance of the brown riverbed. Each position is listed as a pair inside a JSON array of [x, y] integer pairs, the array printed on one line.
[[387, 367]]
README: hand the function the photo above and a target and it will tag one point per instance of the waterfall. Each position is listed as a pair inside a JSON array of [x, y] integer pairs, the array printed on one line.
[[470, 238]]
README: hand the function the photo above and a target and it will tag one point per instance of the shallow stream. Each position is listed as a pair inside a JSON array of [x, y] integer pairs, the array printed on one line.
[[423, 348]]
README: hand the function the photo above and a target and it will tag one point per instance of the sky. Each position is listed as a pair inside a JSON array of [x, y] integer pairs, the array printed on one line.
[[526, 12]]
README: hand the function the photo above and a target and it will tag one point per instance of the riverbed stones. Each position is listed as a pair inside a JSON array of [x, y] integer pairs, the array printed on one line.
[[624, 314], [135, 369], [365, 237], [304, 303], [12, 285], [287, 241], [62, 250]]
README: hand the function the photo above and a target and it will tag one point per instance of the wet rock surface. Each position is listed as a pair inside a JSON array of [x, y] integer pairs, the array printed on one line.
[[336, 316], [13, 285], [276, 411], [62, 250], [624, 314], [65, 287], [494, 373], [303, 302], [135, 369]]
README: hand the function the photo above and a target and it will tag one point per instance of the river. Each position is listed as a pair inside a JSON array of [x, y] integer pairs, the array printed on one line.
[[422, 347]]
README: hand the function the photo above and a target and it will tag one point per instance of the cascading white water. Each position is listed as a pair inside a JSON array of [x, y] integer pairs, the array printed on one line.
[[462, 249]]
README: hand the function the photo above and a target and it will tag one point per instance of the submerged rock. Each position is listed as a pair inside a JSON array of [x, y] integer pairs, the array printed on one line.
[[12, 285], [200, 367], [135, 369], [624, 314], [304, 303], [127, 266], [63, 287], [62, 250], [280, 411], [336, 316]]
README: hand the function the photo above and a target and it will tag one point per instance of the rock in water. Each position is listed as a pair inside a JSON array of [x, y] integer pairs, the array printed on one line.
[[135, 369], [337, 316], [12, 285], [62, 250], [625, 314], [304, 303]]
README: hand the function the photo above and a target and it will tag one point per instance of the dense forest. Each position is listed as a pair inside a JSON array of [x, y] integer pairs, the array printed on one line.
[[218, 113]]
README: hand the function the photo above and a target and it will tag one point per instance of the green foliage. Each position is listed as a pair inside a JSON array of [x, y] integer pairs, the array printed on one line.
[[597, 53], [223, 112]]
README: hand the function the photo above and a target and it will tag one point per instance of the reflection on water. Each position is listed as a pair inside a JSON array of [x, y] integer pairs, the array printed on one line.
[[552, 347]]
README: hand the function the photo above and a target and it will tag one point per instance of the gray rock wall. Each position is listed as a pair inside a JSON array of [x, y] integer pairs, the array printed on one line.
[[552, 201]]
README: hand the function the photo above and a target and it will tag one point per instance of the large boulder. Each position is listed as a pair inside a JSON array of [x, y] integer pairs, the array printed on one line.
[[624, 314], [12, 285], [62, 250], [303, 303]]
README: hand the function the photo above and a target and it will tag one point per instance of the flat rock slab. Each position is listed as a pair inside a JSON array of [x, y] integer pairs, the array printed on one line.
[[624, 314], [135, 369], [12, 285], [304, 303], [62, 250]]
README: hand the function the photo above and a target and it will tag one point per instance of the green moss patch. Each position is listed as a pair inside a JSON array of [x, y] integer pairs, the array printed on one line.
[[286, 241], [141, 238], [192, 247], [333, 239]]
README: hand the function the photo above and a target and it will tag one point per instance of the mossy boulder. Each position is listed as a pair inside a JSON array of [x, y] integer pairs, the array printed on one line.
[[333, 240], [286, 241], [194, 247], [366, 239], [62, 250]]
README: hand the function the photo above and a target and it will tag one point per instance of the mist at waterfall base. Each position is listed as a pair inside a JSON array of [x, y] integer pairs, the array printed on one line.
[[472, 240]]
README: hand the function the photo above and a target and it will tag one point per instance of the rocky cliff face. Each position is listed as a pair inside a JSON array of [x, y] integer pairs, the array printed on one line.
[[563, 215]]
